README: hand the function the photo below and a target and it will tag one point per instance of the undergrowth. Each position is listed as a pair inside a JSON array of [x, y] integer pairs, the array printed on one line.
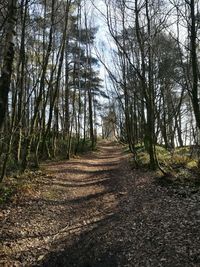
[[6, 192], [16, 184], [180, 165]]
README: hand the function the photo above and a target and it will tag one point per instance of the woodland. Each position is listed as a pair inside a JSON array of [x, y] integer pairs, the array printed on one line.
[[100, 133]]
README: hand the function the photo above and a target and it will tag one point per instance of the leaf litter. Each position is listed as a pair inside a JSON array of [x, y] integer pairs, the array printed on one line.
[[96, 211]]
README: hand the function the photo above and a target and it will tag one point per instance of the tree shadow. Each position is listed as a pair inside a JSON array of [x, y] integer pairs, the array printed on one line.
[[92, 164], [69, 201], [79, 171], [81, 183], [81, 254]]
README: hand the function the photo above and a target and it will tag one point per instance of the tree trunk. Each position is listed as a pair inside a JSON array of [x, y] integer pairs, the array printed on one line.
[[8, 57]]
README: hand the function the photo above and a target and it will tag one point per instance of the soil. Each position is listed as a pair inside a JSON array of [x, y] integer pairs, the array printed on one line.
[[96, 211]]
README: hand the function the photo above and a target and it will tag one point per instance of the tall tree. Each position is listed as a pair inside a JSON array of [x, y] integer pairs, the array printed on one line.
[[8, 57]]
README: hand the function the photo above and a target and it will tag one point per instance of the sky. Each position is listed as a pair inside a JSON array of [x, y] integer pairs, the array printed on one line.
[[104, 43]]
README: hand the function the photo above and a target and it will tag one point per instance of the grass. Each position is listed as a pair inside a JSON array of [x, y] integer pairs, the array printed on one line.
[[180, 166]]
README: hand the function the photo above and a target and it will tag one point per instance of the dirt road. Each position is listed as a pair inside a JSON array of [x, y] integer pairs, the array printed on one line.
[[96, 211]]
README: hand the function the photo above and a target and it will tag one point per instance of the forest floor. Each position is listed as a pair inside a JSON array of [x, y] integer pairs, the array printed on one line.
[[96, 211]]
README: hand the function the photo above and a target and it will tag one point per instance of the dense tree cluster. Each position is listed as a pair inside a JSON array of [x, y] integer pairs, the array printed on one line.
[[49, 81], [156, 75], [50, 86]]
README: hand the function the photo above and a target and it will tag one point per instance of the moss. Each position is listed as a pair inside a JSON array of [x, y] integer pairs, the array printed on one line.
[[143, 159], [178, 164], [192, 164], [126, 149], [183, 150]]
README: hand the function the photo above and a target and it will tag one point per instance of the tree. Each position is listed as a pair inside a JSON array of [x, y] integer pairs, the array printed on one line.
[[8, 57]]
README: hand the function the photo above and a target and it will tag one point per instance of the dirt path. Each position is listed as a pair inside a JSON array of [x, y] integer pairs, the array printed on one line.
[[95, 211]]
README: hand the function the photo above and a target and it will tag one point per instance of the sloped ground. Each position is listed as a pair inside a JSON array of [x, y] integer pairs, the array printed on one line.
[[96, 211]]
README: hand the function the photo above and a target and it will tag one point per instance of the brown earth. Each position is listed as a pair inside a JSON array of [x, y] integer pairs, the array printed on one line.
[[95, 211]]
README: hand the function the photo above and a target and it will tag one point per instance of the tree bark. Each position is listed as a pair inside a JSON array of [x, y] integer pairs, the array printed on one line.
[[8, 57]]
